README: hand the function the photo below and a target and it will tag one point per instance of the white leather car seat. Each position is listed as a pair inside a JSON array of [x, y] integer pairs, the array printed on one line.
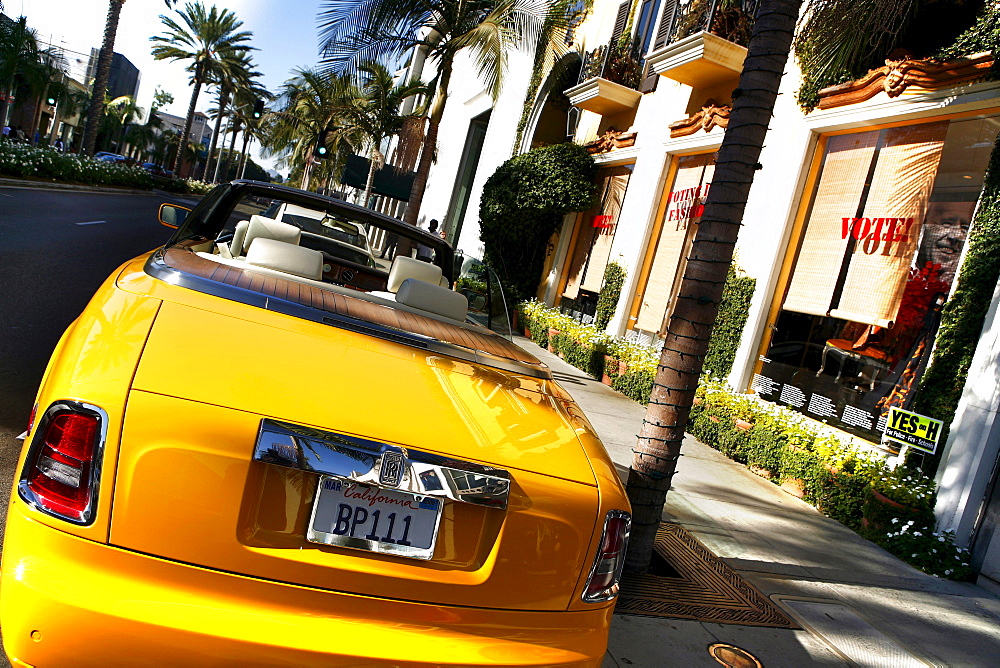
[[261, 227], [285, 257]]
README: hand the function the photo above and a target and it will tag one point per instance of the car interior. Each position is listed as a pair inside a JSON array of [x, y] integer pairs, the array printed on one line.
[[339, 253]]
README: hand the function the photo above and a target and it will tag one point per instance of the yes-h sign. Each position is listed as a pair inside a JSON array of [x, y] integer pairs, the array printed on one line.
[[908, 429]]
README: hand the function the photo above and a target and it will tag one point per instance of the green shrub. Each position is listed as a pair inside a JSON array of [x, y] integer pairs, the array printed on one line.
[[523, 205], [611, 290], [728, 331], [43, 162]]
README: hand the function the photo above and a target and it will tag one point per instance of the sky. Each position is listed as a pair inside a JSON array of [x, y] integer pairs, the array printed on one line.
[[284, 32]]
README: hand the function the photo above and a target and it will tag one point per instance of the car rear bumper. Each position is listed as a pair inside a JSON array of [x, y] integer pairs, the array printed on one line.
[[69, 601]]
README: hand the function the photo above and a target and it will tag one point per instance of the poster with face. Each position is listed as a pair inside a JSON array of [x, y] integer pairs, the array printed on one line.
[[943, 235]]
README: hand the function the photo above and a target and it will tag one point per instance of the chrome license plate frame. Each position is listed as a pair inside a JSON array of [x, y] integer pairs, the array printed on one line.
[[388, 532]]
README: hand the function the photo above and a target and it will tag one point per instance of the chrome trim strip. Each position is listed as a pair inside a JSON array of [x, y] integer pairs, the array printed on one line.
[[25, 492], [361, 460], [157, 267]]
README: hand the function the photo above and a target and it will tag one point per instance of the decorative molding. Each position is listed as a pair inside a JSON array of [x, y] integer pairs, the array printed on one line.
[[611, 140], [900, 73], [711, 115]]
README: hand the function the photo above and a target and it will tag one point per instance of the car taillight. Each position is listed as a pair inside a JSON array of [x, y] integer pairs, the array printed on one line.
[[602, 585], [62, 469]]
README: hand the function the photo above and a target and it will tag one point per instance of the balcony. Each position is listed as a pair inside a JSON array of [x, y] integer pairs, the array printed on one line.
[[608, 81], [704, 43]]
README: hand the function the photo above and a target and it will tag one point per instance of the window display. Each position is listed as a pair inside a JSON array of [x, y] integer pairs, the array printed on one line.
[[880, 250]]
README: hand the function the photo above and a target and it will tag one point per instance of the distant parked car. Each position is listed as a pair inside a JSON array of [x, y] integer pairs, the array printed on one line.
[[105, 156], [154, 169]]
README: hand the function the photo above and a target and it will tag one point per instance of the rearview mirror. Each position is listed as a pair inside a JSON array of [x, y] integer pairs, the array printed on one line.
[[172, 215]]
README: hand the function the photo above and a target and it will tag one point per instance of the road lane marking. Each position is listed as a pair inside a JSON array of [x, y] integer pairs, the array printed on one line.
[[93, 222]]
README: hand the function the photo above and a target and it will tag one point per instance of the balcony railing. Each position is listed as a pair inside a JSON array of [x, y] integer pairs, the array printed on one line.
[[615, 62], [730, 19]]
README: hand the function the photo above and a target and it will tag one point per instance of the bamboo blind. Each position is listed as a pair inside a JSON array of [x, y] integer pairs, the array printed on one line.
[[838, 194], [668, 261], [901, 186]]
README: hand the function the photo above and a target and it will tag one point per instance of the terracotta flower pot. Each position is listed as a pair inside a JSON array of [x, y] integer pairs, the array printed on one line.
[[762, 472], [696, 402], [714, 419], [794, 486], [622, 367], [552, 334], [527, 332], [743, 425]]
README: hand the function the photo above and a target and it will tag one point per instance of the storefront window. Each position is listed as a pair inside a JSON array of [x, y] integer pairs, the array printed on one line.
[[595, 234], [680, 214], [884, 233]]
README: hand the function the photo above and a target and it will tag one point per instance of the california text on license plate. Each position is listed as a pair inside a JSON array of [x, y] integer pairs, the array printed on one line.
[[352, 514]]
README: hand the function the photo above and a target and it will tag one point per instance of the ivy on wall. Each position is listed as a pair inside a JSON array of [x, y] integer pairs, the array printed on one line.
[[728, 331], [963, 316]]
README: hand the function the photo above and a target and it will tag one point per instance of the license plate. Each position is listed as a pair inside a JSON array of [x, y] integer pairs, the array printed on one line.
[[363, 517]]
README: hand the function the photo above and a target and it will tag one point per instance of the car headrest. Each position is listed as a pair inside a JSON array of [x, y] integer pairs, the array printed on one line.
[[406, 267], [289, 258], [433, 298], [269, 228]]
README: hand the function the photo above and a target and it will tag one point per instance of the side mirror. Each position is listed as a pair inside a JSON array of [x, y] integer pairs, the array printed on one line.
[[172, 215]]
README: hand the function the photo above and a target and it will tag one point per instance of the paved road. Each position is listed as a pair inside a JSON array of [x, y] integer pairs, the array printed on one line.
[[56, 248]]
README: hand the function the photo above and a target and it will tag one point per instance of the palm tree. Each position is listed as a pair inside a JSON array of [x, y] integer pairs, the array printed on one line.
[[691, 323], [18, 52], [209, 39], [377, 116], [356, 30], [244, 93], [100, 85], [232, 73], [310, 103]]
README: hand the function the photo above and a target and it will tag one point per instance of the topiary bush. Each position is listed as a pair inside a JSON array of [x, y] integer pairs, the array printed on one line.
[[611, 290], [523, 205]]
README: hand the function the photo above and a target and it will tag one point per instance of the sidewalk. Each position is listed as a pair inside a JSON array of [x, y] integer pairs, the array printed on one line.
[[858, 604]]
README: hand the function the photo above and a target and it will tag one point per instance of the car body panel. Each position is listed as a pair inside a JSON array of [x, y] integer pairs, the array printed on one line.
[[75, 594], [198, 552]]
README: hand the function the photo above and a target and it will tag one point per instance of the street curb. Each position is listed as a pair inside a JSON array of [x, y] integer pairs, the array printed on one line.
[[56, 185]]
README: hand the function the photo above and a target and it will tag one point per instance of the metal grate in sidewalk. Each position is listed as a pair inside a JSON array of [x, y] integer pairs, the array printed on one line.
[[698, 586]]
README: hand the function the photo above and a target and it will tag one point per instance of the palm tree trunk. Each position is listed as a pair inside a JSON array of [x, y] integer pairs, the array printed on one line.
[[182, 142], [223, 101], [243, 154], [430, 143], [229, 158], [101, 77], [370, 181], [690, 326]]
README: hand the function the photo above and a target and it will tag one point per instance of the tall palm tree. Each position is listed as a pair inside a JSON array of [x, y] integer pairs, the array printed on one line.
[[700, 291], [18, 52], [377, 116], [231, 74], [309, 103], [353, 31], [244, 95], [208, 38]]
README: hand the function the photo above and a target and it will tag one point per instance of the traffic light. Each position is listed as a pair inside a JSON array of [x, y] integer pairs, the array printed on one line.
[[321, 150], [258, 108], [51, 100]]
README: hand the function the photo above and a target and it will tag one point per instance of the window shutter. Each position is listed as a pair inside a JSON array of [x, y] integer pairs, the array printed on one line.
[[666, 23], [620, 21]]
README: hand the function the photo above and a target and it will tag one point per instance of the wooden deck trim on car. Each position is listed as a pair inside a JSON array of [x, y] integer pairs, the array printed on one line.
[[188, 262]]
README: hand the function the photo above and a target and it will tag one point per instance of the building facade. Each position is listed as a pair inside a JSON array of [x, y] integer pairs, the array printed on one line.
[[123, 77], [854, 230]]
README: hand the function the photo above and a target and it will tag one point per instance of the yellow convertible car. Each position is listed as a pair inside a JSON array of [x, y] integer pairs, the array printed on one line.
[[291, 441]]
